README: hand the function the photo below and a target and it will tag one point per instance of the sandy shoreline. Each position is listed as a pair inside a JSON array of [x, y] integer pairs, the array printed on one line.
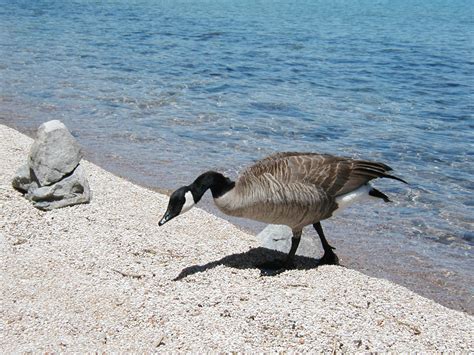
[[102, 277]]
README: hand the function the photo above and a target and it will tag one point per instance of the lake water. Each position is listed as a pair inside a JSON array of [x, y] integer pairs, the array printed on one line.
[[160, 91]]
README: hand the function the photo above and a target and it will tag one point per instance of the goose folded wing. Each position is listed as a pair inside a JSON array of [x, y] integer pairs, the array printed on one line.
[[335, 175]]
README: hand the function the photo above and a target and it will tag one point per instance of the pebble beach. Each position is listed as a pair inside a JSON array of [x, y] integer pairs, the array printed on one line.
[[104, 277]]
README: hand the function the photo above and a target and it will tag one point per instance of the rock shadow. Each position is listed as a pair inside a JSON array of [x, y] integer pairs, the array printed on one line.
[[249, 260]]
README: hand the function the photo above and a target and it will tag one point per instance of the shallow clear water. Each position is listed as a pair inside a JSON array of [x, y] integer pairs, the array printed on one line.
[[160, 91]]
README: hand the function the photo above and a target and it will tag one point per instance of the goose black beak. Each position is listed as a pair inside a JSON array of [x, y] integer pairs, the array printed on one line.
[[165, 219]]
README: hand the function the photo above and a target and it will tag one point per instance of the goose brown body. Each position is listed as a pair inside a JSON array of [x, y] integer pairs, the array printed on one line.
[[297, 189]]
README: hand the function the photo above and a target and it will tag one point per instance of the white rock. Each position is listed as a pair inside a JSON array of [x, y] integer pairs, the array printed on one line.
[[278, 237]]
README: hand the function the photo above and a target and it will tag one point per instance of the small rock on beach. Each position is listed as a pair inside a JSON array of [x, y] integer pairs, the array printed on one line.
[[53, 178]]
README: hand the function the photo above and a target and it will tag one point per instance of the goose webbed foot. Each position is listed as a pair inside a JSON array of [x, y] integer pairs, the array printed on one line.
[[275, 267], [329, 258]]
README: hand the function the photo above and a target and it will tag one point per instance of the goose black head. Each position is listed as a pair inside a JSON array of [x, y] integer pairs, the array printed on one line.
[[182, 200]]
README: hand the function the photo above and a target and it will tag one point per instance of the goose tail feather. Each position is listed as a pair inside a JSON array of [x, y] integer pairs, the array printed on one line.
[[394, 178], [379, 194], [375, 170]]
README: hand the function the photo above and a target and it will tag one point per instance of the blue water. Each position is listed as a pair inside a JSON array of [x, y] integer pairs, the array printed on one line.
[[159, 91]]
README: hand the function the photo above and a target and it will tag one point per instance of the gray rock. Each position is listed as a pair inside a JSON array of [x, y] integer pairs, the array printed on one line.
[[53, 177], [54, 154], [276, 237], [71, 190], [23, 180]]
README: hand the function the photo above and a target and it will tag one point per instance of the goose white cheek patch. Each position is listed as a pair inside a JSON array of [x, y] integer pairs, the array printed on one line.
[[188, 203]]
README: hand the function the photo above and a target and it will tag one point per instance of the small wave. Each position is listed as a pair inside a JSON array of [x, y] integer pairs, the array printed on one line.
[[277, 108], [208, 35]]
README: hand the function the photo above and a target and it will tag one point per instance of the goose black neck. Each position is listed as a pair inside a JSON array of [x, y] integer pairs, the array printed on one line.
[[218, 183]]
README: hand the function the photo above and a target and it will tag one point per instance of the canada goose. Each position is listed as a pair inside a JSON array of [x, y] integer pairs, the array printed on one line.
[[294, 189]]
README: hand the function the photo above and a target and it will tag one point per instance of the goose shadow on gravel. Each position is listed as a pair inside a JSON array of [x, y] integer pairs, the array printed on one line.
[[249, 260]]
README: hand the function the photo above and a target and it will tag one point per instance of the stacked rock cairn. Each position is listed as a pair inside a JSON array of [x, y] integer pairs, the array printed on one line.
[[52, 177]]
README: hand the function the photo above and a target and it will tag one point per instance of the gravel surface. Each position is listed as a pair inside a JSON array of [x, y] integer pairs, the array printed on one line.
[[105, 277]]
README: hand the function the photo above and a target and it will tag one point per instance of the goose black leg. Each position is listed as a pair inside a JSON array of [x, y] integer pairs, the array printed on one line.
[[276, 267], [329, 257], [295, 241]]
